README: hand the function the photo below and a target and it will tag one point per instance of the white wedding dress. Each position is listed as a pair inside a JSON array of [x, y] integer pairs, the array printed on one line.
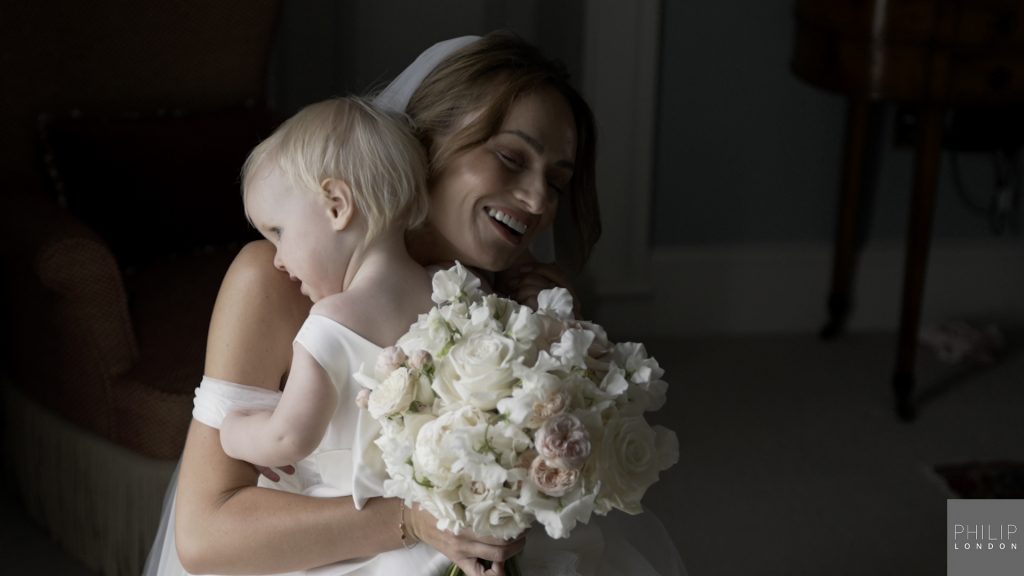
[[347, 463]]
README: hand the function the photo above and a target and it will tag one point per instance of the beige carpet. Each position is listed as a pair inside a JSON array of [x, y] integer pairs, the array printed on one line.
[[794, 463]]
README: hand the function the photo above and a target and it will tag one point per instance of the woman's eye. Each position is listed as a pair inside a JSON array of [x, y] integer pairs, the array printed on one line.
[[557, 187], [510, 160], [276, 232]]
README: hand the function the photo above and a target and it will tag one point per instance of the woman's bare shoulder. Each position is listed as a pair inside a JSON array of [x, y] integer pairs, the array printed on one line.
[[257, 314]]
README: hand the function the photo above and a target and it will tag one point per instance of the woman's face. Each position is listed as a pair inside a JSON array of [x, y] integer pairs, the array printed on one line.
[[491, 201]]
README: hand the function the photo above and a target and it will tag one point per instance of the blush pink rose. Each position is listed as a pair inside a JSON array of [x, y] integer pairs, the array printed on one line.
[[552, 480], [563, 442]]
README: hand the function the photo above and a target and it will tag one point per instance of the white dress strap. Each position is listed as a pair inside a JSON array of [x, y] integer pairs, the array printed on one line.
[[216, 398], [329, 343]]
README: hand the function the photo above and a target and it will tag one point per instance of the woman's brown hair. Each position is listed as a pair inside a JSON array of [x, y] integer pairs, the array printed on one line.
[[485, 77]]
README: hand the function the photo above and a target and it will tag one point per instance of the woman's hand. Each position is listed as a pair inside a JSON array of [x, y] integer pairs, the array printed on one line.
[[466, 549], [271, 474], [524, 283]]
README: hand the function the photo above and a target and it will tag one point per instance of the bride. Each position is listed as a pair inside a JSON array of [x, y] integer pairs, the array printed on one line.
[[485, 110]]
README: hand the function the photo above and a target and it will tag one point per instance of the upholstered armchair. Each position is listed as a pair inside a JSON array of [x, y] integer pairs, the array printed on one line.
[[128, 126]]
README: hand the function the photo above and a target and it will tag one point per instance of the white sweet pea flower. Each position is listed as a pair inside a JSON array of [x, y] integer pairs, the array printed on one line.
[[631, 456], [497, 516], [539, 395], [453, 448], [648, 391], [572, 348], [559, 515], [397, 443], [507, 441], [455, 285], [431, 332], [600, 346], [555, 302], [525, 327]]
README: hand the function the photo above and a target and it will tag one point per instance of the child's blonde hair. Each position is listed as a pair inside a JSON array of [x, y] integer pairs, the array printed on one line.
[[348, 139]]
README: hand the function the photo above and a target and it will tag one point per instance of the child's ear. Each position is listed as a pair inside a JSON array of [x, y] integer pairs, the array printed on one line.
[[340, 208]]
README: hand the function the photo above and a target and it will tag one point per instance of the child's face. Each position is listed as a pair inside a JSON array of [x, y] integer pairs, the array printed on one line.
[[298, 224], [491, 201]]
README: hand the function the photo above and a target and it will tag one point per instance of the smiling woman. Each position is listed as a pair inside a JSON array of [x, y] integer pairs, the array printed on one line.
[[488, 203], [509, 143]]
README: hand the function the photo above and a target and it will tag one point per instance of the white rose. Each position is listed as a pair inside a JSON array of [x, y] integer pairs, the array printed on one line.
[[631, 455], [455, 285], [481, 366], [394, 395]]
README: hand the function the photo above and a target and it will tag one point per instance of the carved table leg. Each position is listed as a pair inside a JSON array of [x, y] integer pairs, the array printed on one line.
[[927, 159], [861, 120]]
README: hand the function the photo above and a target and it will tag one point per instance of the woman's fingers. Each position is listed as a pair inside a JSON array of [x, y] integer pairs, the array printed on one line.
[[271, 474], [466, 549]]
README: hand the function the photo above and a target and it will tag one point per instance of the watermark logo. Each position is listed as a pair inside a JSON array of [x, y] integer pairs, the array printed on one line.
[[984, 537]]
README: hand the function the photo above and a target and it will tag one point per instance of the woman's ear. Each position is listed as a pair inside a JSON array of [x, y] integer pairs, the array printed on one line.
[[340, 207]]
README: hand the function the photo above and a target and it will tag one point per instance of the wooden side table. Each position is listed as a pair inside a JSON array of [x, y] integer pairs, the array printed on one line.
[[928, 54]]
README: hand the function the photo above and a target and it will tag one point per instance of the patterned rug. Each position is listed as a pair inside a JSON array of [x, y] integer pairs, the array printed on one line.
[[992, 480]]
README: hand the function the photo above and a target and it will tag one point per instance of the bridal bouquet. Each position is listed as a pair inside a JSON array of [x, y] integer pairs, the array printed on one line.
[[495, 416]]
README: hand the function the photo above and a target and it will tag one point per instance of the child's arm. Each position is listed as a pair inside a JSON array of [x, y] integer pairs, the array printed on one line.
[[295, 427]]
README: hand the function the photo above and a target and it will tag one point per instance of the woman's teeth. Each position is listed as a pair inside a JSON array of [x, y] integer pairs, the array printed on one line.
[[507, 220]]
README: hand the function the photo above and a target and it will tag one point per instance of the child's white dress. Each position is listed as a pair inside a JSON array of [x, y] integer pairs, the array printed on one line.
[[347, 462]]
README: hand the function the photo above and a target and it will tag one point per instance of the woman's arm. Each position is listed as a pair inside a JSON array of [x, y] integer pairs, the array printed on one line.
[[224, 523]]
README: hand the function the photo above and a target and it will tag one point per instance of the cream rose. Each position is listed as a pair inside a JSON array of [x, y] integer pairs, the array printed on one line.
[[482, 366], [394, 395], [631, 456]]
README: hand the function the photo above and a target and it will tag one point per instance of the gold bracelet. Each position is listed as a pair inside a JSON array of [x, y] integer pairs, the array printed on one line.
[[406, 537]]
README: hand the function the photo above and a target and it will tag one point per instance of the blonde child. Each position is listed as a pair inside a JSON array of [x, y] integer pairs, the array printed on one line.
[[334, 189]]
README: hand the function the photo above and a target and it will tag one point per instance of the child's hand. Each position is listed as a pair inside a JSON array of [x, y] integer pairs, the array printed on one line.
[[271, 475], [524, 283]]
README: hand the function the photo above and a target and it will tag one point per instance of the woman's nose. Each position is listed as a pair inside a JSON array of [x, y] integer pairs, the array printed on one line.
[[532, 192]]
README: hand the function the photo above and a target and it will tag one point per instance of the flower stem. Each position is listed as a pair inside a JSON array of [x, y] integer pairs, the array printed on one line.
[[511, 568]]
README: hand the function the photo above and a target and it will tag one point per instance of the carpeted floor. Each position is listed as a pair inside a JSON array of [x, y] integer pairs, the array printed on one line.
[[793, 462]]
